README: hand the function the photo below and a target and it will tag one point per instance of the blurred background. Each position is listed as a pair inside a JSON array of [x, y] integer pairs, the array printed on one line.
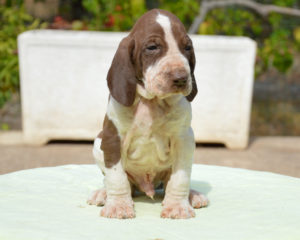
[[273, 24], [276, 101]]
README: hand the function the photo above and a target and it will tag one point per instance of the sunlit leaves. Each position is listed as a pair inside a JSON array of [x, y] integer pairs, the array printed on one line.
[[13, 21], [276, 34]]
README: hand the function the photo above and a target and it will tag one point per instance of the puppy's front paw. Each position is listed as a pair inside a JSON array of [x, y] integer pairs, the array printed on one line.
[[197, 199], [118, 207], [97, 197], [177, 209]]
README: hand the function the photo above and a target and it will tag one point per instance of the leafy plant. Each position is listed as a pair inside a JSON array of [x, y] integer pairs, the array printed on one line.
[[185, 10], [121, 15], [13, 21], [277, 36], [114, 15]]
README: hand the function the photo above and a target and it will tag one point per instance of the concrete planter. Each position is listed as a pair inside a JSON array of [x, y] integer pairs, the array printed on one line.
[[64, 92]]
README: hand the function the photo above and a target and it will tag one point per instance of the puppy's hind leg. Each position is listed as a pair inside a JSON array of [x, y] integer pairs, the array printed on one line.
[[98, 197], [197, 199]]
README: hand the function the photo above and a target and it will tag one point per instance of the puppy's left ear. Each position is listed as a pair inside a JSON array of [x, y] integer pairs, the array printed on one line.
[[192, 62], [121, 79]]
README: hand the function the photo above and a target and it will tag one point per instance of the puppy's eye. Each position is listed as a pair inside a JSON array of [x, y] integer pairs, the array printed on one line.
[[152, 47], [188, 48]]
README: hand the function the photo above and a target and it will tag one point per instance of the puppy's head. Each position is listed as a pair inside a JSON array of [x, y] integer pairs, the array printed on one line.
[[158, 55]]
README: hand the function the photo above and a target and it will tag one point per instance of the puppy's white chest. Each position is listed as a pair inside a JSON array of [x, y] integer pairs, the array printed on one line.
[[150, 132], [147, 144]]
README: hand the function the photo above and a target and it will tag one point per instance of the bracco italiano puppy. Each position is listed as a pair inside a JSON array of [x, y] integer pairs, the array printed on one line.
[[147, 139]]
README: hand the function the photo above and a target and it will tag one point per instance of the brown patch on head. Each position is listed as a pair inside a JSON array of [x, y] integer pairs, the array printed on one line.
[[110, 144], [150, 42], [174, 72], [141, 48]]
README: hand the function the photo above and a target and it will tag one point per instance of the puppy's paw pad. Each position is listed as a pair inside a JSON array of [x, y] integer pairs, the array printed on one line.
[[119, 208], [177, 210], [97, 197], [197, 199]]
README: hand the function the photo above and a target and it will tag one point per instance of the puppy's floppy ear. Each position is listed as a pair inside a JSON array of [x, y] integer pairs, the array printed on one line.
[[194, 91], [192, 62], [121, 79]]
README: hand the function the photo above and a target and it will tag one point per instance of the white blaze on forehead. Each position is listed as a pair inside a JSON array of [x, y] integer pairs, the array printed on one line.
[[165, 23]]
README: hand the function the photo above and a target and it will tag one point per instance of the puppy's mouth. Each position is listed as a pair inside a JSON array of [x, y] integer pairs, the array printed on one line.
[[179, 86], [162, 87], [165, 92]]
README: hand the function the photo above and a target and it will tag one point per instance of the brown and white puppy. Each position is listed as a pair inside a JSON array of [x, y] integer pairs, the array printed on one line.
[[146, 138]]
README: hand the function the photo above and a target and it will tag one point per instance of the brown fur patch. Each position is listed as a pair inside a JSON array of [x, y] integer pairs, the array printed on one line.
[[147, 32], [110, 144], [121, 79]]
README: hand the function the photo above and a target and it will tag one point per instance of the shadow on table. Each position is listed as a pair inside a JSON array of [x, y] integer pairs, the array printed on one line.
[[200, 186]]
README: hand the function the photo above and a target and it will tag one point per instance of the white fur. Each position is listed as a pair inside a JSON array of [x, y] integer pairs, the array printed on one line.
[[116, 182], [179, 183], [165, 23]]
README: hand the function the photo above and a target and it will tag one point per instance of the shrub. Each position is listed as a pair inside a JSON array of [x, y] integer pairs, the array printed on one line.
[[113, 15], [277, 35], [13, 21]]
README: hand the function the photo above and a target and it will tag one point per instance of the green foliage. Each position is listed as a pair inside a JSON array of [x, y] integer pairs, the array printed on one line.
[[277, 36], [273, 117], [121, 15], [185, 10], [13, 21], [4, 127], [114, 15]]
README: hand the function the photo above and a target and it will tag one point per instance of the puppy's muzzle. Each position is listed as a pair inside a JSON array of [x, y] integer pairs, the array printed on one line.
[[179, 78]]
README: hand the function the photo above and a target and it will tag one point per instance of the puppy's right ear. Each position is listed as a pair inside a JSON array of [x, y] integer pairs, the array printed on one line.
[[121, 79]]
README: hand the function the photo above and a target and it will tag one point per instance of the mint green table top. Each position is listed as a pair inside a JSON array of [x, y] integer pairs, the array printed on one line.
[[50, 203]]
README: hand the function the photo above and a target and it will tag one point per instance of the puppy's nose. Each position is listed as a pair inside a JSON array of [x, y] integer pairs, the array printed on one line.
[[180, 82], [180, 78]]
